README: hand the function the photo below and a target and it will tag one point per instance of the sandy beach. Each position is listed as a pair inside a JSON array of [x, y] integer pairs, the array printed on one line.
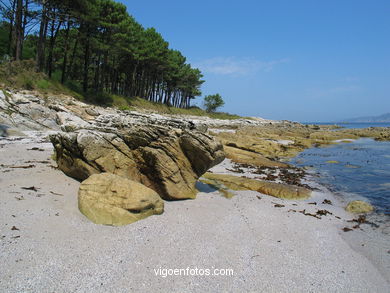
[[47, 245], [177, 146]]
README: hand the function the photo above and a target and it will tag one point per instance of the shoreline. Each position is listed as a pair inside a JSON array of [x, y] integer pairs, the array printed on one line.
[[271, 244], [368, 240], [269, 248], [315, 169]]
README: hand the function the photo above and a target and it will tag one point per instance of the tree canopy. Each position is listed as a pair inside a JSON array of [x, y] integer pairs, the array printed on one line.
[[213, 102], [95, 46]]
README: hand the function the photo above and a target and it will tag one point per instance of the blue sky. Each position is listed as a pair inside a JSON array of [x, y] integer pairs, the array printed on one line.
[[298, 60]]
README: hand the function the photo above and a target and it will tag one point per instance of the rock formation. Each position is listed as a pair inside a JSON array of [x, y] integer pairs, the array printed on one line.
[[279, 190], [165, 159], [248, 157], [359, 207], [113, 200]]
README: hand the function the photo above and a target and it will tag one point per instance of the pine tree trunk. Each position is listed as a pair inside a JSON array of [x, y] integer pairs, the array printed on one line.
[[86, 60], [42, 38], [19, 30], [63, 75], [72, 58], [24, 21], [11, 29]]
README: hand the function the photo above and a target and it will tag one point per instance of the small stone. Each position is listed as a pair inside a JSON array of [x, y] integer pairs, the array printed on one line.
[[359, 206]]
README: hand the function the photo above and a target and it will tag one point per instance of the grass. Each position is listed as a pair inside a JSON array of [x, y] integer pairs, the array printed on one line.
[[22, 75], [123, 103]]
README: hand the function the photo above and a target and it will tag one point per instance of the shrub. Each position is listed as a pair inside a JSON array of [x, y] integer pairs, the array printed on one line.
[[213, 102], [43, 84]]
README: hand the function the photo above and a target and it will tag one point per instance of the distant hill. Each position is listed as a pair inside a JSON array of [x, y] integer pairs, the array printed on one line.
[[372, 119]]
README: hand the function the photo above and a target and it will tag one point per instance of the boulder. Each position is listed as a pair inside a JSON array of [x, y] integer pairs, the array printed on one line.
[[109, 199], [279, 190], [165, 159], [359, 207]]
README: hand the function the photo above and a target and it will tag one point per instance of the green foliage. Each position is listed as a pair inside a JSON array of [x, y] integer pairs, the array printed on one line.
[[142, 105], [4, 41], [99, 53], [19, 74], [213, 102], [74, 86], [125, 108], [22, 75], [96, 46], [43, 84], [99, 98]]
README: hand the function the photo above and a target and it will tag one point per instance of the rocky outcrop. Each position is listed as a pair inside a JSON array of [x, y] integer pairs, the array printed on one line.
[[31, 110], [251, 158], [279, 190], [126, 119], [287, 139], [25, 112], [113, 200], [359, 207], [165, 159], [167, 154], [28, 110]]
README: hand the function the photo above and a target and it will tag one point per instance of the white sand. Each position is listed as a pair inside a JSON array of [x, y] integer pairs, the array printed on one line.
[[270, 249]]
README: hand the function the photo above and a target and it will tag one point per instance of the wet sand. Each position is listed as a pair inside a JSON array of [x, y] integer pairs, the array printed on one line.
[[47, 245]]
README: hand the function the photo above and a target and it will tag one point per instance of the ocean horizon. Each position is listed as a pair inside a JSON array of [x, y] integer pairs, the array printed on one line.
[[352, 124]]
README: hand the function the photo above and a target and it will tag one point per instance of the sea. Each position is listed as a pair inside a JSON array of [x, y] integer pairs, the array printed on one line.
[[359, 169]]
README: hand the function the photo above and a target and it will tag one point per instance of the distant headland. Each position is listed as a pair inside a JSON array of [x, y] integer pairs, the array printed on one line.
[[384, 118]]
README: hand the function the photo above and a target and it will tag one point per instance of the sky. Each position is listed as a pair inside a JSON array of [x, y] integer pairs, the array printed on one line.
[[297, 60]]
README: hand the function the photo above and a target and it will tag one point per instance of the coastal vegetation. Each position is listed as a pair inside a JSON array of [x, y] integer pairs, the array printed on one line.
[[96, 48], [213, 102], [22, 75]]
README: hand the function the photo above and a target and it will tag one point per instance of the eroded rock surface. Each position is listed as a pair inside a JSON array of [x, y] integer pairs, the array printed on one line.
[[29, 110], [251, 144], [165, 159], [109, 199], [359, 207], [279, 190]]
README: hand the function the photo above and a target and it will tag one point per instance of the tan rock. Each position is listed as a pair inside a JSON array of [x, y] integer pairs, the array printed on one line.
[[266, 139], [109, 199], [246, 157], [359, 207], [165, 159], [279, 190]]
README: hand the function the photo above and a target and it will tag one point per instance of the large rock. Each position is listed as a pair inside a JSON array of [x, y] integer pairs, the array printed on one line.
[[165, 159], [113, 200], [359, 207]]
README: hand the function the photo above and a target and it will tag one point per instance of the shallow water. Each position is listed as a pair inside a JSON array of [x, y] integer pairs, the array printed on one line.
[[360, 169], [352, 125]]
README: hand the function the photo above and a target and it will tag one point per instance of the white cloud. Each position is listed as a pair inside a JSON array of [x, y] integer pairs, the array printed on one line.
[[236, 66]]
